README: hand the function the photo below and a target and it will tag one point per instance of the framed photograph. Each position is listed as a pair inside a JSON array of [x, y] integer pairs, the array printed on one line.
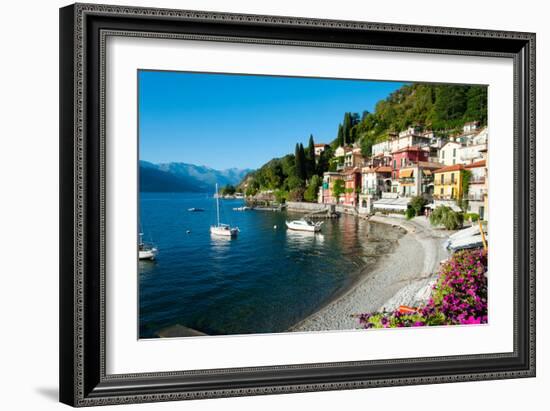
[[262, 204]]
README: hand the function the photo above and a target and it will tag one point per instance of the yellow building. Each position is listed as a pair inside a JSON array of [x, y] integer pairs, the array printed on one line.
[[448, 182]]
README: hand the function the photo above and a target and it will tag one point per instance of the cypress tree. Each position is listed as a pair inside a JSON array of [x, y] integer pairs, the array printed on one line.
[[301, 165], [340, 136], [310, 157], [297, 163]]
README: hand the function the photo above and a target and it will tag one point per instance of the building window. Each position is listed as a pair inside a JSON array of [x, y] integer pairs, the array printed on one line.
[[442, 154], [442, 179], [441, 191], [452, 192], [394, 165], [454, 152], [452, 177]]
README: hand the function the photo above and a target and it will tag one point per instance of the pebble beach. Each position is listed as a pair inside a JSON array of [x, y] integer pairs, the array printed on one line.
[[403, 277]]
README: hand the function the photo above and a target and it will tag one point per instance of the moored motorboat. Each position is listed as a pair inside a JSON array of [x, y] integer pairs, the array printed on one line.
[[195, 209], [304, 225], [243, 208]]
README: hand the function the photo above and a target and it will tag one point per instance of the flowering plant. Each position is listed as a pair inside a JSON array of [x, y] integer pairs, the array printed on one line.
[[459, 296]]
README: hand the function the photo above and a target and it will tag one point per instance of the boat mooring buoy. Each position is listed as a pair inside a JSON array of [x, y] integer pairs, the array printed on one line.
[[188, 231], [275, 227]]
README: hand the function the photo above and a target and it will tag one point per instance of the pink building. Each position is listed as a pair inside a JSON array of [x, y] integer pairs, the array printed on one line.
[[406, 157], [352, 179]]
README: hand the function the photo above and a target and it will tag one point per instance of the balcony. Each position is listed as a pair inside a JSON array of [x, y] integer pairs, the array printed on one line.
[[476, 197], [477, 180], [407, 180], [447, 181], [443, 197]]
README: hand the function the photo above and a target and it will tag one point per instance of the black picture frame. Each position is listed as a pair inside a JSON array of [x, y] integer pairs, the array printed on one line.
[[83, 29]]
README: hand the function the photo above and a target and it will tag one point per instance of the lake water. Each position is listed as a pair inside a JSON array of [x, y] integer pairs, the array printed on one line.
[[264, 281]]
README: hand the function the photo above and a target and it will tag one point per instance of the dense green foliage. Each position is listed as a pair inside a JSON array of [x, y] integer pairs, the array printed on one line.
[[417, 204], [446, 217], [462, 201], [338, 188], [228, 190], [313, 187], [293, 177]]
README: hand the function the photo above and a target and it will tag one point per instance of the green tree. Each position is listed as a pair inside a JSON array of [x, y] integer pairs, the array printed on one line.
[[417, 204], [322, 163], [476, 105], [293, 182], [462, 200], [228, 190], [312, 189], [340, 137], [338, 188], [446, 217], [310, 157]]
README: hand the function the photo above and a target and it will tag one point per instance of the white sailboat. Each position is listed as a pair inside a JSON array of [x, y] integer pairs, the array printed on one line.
[[220, 229], [146, 251]]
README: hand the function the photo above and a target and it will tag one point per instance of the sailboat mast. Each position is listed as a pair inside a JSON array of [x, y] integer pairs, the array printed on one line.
[[217, 204]]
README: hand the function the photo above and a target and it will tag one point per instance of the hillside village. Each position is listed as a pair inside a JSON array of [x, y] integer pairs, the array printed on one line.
[[422, 147], [445, 170], [449, 171]]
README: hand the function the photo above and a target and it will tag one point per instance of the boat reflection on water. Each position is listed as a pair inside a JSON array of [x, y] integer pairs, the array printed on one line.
[[146, 268], [220, 243], [304, 239]]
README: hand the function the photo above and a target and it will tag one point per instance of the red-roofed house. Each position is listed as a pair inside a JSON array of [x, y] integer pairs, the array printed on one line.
[[406, 157]]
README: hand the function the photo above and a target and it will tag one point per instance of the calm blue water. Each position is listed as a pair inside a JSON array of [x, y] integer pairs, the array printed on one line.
[[263, 281]]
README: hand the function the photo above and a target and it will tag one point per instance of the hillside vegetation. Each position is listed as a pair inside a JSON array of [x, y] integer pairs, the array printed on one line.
[[441, 108]]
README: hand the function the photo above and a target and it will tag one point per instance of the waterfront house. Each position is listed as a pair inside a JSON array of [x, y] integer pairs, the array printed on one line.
[[376, 180], [381, 149], [352, 179], [449, 153], [353, 158], [448, 184], [380, 160], [326, 194], [405, 157], [412, 136], [417, 179], [473, 146], [477, 190], [341, 155]]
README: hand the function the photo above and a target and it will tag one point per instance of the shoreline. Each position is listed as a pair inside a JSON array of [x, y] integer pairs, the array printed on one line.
[[402, 277]]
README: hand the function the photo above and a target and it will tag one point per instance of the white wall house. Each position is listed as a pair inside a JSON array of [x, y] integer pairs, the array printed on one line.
[[449, 154], [383, 147], [477, 189]]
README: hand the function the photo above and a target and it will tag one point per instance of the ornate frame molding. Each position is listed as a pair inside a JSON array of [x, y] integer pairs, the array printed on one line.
[[82, 335]]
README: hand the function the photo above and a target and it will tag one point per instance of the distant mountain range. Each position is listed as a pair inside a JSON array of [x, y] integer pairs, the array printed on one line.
[[183, 177]]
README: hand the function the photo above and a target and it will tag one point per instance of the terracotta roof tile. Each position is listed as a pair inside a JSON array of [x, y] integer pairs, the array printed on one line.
[[454, 167]]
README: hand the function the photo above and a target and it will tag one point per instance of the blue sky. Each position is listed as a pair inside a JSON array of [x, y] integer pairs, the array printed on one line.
[[224, 121]]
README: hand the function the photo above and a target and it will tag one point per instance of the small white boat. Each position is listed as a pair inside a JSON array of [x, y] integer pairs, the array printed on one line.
[[243, 208], [304, 225], [146, 251], [195, 209], [220, 229]]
